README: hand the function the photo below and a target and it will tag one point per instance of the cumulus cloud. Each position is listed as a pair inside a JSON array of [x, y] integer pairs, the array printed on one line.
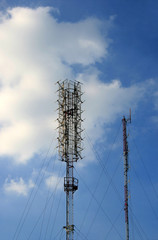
[[54, 182], [36, 51], [18, 186], [106, 101]]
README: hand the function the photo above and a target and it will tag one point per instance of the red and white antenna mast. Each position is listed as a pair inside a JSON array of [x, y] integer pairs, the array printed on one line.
[[126, 167]]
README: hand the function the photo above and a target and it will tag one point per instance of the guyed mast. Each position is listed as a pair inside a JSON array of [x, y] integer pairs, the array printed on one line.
[[69, 142], [126, 168]]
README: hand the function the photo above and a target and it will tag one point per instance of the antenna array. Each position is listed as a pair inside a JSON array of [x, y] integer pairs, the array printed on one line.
[[69, 141]]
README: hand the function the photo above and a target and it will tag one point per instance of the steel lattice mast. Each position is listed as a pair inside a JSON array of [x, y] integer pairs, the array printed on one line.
[[126, 167], [69, 141]]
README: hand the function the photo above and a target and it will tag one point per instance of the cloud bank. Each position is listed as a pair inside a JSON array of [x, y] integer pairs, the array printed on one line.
[[36, 51]]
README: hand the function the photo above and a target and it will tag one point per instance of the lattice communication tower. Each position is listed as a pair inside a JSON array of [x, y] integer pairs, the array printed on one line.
[[69, 141], [126, 168]]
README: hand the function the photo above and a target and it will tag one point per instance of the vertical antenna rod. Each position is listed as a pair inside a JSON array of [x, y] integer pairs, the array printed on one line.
[[69, 141], [126, 167]]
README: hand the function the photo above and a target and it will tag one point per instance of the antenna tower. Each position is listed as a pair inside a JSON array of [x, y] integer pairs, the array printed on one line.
[[126, 167], [69, 141]]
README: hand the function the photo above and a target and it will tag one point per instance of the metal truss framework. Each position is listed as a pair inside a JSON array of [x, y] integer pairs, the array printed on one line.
[[126, 168], [69, 141]]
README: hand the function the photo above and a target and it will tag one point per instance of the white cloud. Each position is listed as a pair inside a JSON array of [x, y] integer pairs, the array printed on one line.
[[54, 182], [18, 186], [106, 101], [36, 51]]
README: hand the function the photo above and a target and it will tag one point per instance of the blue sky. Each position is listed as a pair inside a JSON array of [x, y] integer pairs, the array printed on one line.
[[111, 47]]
